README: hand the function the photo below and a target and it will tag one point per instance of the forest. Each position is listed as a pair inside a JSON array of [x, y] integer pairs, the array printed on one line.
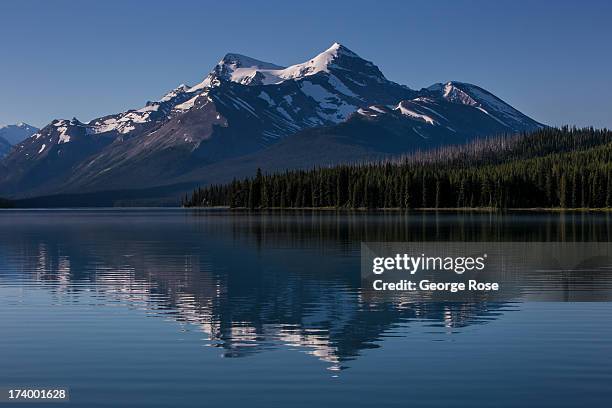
[[550, 168]]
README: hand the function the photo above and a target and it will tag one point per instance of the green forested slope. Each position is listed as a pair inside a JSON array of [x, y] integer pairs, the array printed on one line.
[[566, 168]]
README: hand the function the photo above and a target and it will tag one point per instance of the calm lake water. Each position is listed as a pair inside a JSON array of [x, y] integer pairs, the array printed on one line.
[[181, 308]]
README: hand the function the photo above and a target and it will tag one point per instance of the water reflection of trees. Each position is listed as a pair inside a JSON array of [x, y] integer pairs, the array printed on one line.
[[258, 281], [301, 226]]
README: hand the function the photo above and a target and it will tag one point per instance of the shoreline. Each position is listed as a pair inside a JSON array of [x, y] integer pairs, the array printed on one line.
[[423, 209], [324, 209]]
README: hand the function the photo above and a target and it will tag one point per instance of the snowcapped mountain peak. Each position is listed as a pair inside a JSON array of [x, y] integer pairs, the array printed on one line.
[[456, 92], [319, 63], [339, 49], [21, 125], [323, 62], [245, 105], [236, 68], [250, 71]]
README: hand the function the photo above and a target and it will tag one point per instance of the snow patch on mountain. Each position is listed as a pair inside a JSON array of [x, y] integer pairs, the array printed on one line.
[[340, 87], [333, 108], [454, 94], [123, 124], [378, 109], [62, 128], [187, 104], [320, 63], [263, 95], [181, 89], [405, 110], [237, 68], [367, 112]]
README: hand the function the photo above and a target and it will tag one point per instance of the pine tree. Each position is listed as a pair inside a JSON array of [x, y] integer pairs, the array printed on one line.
[[563, 191]]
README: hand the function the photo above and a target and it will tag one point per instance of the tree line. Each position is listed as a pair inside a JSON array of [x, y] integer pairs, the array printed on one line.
[[553, 167]]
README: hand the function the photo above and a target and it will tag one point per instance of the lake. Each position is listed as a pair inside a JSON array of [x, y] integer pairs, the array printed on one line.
[[181, 308]]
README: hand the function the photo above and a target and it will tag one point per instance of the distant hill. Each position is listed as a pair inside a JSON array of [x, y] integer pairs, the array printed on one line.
[[17, 133], [12, 134]]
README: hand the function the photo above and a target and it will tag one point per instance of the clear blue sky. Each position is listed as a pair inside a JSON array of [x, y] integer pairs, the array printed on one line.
[[59, 59]]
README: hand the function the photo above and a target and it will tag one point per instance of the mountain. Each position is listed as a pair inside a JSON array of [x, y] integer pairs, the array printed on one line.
[[17, 133], [14, 134], [244, 108]]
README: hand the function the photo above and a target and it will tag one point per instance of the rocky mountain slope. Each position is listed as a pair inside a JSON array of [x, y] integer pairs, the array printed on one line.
[[5, 147]]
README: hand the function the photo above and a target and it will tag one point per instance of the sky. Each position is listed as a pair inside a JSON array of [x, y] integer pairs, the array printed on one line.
[[552, 60]]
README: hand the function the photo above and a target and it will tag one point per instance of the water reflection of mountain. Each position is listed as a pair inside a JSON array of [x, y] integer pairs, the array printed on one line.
[[251, 282]]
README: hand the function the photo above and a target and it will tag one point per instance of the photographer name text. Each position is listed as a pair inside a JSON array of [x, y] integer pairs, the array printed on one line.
[[413, 264]]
